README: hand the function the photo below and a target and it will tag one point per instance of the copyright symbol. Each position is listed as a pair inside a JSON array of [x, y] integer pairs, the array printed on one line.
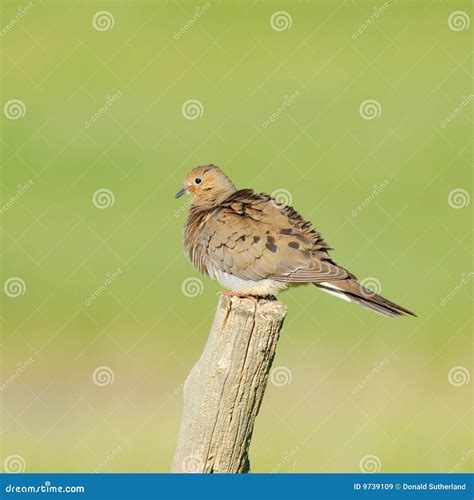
[[398, 486]]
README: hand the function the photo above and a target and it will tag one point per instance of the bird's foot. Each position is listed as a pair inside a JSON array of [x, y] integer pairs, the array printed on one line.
[[240, 295]]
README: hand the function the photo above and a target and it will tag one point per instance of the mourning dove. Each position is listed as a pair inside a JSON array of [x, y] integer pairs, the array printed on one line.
[[255, 246]]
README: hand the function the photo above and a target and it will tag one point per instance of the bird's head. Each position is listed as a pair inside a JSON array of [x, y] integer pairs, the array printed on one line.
[[208, 185]]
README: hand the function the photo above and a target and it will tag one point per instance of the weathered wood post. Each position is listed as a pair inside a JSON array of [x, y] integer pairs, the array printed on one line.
[[223, 392]]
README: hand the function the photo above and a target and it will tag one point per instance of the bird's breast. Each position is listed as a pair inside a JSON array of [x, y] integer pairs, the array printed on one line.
[[244, 286]]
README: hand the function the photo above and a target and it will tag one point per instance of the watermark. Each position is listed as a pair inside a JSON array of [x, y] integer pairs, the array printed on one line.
[[287, 101], [183, 207], [103, 198], [103, 375], [459, 20], [109, 279], [47, 487], [458, 376], [178, 389], [21, 12], [281, 197], [21, 367], [378, 188], [103, 21], [370, 109], [14, 464], [377, 11], [110, 100], [193, 464], [192, 287], [464, 459], [200, 11], [458, 198], [281, 21], [280, 376], [370, 464], [287, 456], [192, 109], [372, 286], [21, 190], [465, 101], [14, 287], [109, 458], [465, 279], [14, 109], [377, 367]]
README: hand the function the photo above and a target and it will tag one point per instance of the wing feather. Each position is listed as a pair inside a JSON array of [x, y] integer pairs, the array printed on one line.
[[252, 236]]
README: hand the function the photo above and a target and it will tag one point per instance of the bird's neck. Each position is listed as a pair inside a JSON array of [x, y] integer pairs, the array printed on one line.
[[211, 201]]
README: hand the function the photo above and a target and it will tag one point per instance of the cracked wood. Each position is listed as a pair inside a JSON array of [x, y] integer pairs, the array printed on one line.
[[223, 392]]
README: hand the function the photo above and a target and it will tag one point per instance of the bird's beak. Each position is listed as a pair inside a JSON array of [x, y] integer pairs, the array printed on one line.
[[181, 192]]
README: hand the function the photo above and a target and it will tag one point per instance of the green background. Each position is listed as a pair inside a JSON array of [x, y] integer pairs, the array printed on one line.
[[320, 149]]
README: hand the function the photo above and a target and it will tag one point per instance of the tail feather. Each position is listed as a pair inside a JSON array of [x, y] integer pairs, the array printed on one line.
[[350, 289]]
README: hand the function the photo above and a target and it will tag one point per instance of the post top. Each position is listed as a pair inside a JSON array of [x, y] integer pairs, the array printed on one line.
[[269, 307]]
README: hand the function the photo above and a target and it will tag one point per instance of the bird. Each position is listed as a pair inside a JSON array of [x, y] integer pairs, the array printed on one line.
[[256, 246]]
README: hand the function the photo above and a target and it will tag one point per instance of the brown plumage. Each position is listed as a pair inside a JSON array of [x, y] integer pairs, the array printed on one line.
[[253, 245]]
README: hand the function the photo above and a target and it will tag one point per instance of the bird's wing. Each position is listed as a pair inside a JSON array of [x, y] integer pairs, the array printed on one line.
[[254, 237]]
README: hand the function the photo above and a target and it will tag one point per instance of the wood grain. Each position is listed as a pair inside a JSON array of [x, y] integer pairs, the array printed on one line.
[[223, 392]]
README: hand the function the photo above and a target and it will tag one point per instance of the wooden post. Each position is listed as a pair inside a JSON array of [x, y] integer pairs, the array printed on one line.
[[223, 392]]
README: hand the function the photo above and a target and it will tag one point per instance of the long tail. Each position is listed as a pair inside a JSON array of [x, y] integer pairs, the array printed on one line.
[[349, 289]]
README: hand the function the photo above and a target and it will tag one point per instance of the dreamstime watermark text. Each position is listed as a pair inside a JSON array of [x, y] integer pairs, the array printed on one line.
[[463, 460], [110, 278], [465, 279], [377, 11], [21, 12], [47, 487], [180, 210], [21, 190], [108, 459], [288, 100], [200, 11], [377, 367], [22, 366], [465, 101], [110, 100], [378, 188], [287, 456]]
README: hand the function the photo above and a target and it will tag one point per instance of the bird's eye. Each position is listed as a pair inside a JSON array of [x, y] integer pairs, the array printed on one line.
[[197, 181]]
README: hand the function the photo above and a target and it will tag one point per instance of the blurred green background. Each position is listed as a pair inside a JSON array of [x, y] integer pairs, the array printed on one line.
[[135, 69]]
